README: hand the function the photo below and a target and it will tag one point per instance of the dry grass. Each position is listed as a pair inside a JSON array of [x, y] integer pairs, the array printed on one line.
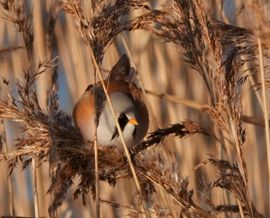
[[206, 84]]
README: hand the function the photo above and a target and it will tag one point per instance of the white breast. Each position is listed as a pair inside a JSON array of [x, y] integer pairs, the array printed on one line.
[[106, 128]]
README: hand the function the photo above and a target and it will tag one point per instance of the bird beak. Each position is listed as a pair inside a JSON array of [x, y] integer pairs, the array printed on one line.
[[133, 121]]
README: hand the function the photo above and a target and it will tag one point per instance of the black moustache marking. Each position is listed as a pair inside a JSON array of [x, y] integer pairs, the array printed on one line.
[[122, 120]]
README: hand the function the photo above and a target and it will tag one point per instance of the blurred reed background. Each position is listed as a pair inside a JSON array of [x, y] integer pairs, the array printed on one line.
[[162, 69]]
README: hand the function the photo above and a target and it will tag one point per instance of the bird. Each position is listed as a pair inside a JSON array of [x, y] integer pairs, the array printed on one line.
[[127, 102]]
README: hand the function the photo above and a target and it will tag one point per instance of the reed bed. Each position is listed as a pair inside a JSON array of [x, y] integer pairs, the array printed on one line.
[[203, 68]]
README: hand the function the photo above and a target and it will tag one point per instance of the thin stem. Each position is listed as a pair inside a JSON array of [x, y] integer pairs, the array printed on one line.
[[175, 99], [96, 157], [97, 176], [133, 171], [199, 106], [240, 209], [265, 112], [10, 188], [35, 188], [11, 197]]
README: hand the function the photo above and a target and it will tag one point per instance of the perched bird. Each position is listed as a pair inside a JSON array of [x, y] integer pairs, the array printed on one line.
[[129, 108]]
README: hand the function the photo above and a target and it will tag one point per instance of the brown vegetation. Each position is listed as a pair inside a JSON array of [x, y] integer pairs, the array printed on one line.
[[221, 170]]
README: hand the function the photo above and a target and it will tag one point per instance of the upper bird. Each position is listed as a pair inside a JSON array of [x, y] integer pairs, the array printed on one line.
[[129, 108]]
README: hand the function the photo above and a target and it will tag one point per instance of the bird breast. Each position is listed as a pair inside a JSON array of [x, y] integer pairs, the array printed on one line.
[[121, 103]]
